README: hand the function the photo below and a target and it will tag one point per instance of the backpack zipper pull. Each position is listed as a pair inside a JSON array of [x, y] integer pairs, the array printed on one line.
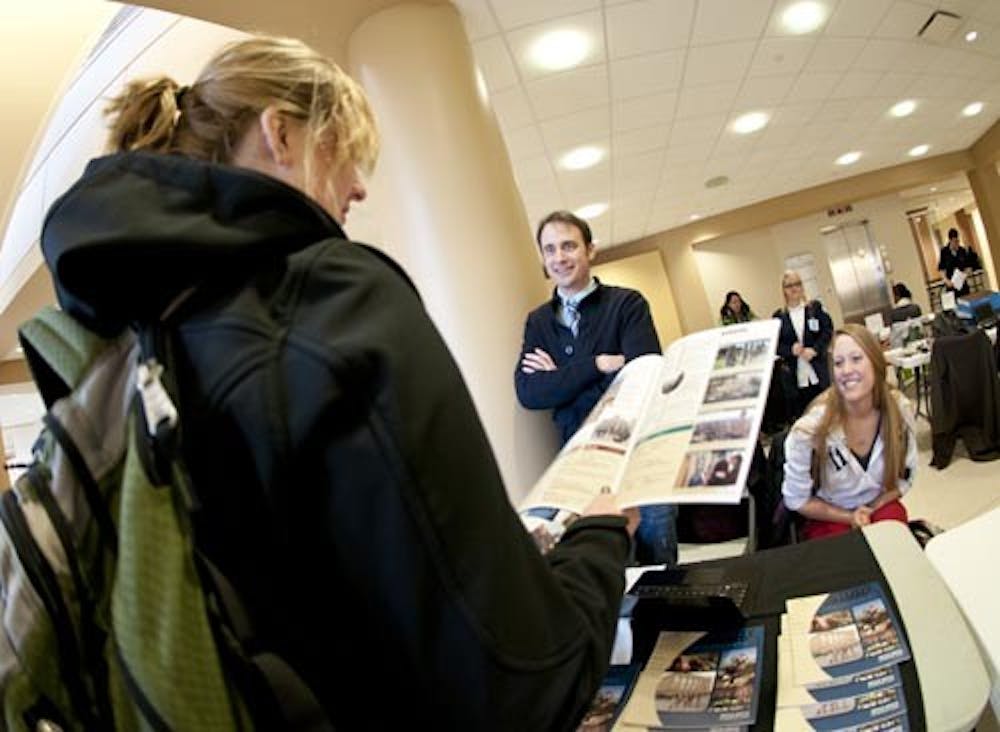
[[156, 403]]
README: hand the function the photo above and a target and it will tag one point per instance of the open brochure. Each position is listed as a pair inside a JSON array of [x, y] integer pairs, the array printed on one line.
[[676, 428]]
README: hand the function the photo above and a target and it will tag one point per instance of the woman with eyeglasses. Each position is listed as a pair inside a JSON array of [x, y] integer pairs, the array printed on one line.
[[805, 335]]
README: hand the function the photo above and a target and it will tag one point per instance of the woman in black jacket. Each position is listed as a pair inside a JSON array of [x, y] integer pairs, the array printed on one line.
[[346, 486], [805, 335]]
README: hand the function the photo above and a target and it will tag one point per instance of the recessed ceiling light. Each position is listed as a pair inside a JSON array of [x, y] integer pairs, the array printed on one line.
[[903, 108], [694, 217], [933, 189], [848, 158], [750, 122], [560, 49], [581, 157], [916, 152], [591, 210], [971, 110], [803, 17], [971, 36]]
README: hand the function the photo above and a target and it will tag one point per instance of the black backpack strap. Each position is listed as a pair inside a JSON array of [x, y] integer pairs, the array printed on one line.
[[91, 491], [291, 704]]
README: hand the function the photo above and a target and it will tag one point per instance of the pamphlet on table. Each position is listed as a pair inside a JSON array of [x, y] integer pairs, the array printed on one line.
[[698, 680]]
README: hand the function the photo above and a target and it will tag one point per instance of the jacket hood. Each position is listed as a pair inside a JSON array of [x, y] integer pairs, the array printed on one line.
[[138, 229]]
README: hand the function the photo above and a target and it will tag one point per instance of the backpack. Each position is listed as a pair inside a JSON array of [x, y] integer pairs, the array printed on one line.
[[112, 618]]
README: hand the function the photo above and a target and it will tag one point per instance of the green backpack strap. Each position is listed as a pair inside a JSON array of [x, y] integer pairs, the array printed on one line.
[[59, 351]]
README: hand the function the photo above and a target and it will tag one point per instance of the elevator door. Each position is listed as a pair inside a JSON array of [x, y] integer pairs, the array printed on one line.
[[858, 272]]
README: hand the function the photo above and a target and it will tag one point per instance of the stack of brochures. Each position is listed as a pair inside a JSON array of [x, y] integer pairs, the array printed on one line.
[[695, 680], [838, 663]]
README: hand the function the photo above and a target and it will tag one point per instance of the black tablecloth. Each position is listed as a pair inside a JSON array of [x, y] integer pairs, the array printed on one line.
[[809, 568]]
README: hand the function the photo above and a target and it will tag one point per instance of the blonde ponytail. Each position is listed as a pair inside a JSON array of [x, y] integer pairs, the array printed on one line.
[[144, 116]]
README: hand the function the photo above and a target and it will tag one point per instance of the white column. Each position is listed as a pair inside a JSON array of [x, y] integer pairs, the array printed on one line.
[[449, 210]]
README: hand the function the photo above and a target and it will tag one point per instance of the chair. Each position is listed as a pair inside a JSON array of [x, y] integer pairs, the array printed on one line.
[[962, 557]]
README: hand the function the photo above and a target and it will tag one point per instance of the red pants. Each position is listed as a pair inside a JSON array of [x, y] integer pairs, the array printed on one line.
[[893, 511]]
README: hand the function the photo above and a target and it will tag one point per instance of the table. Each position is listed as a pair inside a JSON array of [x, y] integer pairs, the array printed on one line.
[[962, 558], [903, 358], [946, 683]]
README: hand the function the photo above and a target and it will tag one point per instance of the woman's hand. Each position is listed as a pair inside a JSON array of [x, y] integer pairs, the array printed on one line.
[[861, 516], [604, 504], [807, 353]]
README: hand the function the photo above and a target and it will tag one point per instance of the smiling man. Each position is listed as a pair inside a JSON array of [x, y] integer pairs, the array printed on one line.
[[576, 342]]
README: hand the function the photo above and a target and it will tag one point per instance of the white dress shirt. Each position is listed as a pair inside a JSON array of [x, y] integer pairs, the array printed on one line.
[[805, 374], [844, 482]]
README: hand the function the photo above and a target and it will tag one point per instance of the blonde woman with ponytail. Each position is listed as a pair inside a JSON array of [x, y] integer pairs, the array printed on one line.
[[345, 484], [853, 455]]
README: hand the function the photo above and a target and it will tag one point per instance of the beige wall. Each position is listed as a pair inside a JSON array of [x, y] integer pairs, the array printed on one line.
[[645, 273], [751, 262], [742, 262]]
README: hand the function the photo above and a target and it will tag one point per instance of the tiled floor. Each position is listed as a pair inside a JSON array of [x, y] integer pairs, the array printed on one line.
[[949, 497]]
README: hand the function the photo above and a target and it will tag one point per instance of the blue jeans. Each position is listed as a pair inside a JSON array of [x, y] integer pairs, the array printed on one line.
[[656, 537]]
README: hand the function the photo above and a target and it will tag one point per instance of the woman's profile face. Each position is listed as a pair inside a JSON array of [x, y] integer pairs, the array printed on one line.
[[853, 372], [735, 303], [335, 186]]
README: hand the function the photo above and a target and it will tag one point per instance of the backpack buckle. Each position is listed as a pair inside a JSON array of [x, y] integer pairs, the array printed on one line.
[[157, 407]]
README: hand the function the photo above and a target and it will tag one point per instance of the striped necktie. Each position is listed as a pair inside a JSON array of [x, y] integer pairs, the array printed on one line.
[[571, 316]]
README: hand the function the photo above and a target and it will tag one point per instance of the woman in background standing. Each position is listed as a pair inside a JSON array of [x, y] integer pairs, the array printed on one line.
[[805, 335]]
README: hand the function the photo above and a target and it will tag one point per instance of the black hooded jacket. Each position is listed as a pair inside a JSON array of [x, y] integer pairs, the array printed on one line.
[[347, 486]]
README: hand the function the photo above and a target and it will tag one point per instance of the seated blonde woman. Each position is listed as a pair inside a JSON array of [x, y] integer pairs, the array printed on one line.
[[857, 439]]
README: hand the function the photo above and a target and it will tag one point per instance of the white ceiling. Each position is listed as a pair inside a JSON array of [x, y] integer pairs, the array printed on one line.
[[665, 78]]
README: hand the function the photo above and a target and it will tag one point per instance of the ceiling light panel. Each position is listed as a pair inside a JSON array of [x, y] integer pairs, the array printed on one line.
[[903, 109], [750, 122], [803, 17], [581, 158], [848, 158], [919, 150], [591, 210], [557, 46], [971, 110], [559, 50]]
